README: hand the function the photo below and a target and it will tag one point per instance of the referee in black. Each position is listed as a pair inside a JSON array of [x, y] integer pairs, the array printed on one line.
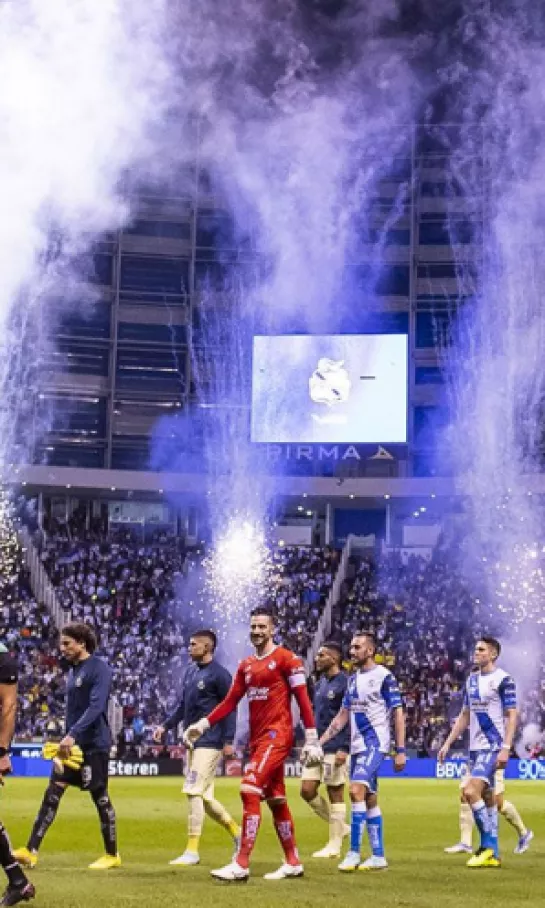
[[87, 694], [19, 888]]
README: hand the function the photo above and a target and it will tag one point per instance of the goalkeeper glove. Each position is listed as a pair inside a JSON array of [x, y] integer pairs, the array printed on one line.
[[74, 760], [193, 732], [312, 753]]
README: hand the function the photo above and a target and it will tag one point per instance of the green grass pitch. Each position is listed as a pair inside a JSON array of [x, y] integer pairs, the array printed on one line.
[[420, 819]]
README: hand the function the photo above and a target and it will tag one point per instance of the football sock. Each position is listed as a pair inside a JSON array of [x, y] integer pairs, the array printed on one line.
[[285, 830], [321, 808], [45, 815], [195, 821], [251, 820], [337, 822], [374, 831], [108, 825], [217, 812], [511, 814], [482, 821], [493, 820], [466, 824], [13, 872], [357, 825]]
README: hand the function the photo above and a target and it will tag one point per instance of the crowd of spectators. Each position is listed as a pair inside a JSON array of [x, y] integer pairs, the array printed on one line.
[[424, 616], [27, 629], [422, 620], [141, 596], [300, 582]]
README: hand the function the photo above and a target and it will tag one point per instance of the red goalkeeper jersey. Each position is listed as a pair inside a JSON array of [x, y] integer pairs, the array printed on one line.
[[269, 682]]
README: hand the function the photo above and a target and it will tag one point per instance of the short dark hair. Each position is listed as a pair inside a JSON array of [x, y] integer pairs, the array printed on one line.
[[81, 633], [333, 645], [263, 611], [491, 641], [370, 636], [206, 632]]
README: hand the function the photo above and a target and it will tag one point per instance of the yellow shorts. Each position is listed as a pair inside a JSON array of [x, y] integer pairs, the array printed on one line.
[[327, 772], [200, 771]]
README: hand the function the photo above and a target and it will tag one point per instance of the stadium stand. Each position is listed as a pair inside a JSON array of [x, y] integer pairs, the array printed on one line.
[[138, 596]]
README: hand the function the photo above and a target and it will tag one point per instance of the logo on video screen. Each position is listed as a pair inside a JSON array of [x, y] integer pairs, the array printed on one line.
[[329, 384]]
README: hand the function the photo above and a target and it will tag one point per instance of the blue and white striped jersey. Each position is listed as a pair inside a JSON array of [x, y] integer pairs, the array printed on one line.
[[370, 697], [487, 696]]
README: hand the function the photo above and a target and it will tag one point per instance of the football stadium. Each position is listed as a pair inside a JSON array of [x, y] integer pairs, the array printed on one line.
[[272, 452]]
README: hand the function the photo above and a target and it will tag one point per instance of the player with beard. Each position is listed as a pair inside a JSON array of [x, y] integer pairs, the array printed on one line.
[[269, 679], [327, 700], [372, 697]]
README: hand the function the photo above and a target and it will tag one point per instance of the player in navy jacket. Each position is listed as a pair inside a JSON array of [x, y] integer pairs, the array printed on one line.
[[205, 685], [328, 696]]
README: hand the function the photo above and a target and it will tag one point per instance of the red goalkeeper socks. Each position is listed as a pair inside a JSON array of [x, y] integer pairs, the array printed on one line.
[[283, 822], [251, 819]]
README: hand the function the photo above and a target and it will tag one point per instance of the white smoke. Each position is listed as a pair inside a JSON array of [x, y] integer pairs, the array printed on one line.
[[85, 87], [497, 361]]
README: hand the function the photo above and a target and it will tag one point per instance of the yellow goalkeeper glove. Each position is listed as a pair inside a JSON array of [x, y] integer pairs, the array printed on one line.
[[74, 760]]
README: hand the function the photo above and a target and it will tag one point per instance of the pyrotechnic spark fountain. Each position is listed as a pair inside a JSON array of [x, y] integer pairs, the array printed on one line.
[[496, 364], [237, 568]]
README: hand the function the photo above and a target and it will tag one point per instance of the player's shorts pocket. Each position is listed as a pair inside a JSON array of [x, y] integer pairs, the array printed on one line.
[[201, 769]]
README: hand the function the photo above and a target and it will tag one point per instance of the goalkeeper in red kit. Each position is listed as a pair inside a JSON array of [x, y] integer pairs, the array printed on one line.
[[269, 679]]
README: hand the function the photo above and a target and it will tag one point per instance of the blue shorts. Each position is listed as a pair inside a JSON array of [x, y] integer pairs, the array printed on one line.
[[364, 768], [482, 765]]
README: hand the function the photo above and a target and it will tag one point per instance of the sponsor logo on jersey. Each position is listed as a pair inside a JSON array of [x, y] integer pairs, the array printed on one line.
[[258, 693]]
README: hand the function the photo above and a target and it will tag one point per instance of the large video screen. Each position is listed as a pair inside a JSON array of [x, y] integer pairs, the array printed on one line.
[[349, 388]]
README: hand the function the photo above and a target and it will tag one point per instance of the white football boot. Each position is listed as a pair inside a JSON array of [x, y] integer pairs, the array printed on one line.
[[231, 873], [350, 862], [374, 863], [286, 872], [187, 859]]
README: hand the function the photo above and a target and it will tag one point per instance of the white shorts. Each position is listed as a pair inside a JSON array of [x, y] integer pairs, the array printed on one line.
[[200, 771], [499, 780], [327, 772]]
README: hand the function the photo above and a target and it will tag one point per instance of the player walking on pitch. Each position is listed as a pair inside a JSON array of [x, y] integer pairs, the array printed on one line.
[[19, 888], [506, 808], [205, 685], [371, 697], [490, 710], [328, 697], [87, 695], [269, 679]]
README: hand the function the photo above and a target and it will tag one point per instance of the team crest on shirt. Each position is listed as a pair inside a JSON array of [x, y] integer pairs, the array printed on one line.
[[79, 681], [248, 677], [201, 685], [272, 665], [331, 695]]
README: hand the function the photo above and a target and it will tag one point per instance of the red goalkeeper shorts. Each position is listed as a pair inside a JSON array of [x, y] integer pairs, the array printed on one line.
[[265, 771]]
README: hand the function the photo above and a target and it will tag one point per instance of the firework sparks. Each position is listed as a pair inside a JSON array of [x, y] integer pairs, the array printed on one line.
[[238, 568]]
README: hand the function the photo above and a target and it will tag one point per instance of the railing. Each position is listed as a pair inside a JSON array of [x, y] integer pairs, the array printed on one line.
[[43, 589], [326, 619]]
